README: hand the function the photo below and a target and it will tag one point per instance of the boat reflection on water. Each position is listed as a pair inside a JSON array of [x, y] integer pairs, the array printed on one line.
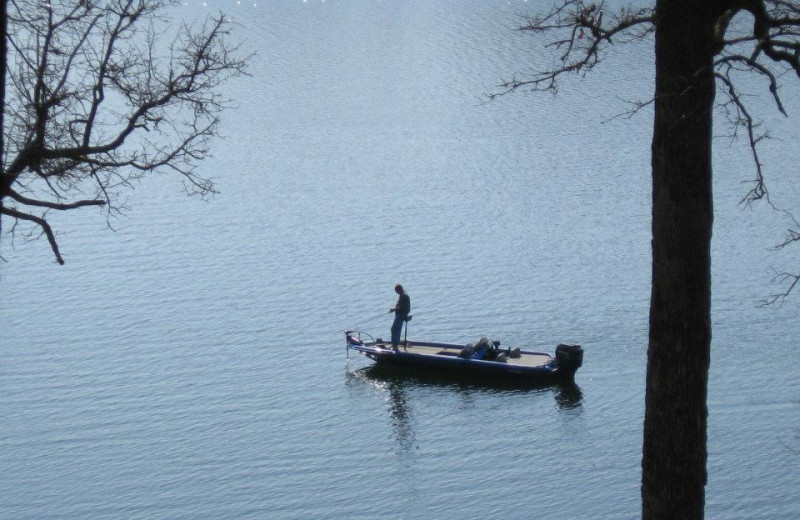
[[399, 384], [567, 393]]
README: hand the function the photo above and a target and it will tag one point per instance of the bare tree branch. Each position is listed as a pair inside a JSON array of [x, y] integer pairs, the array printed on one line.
[[103, 93], [41, 222], [578, 37], [780, 298], [791, 236], [760, 37], [743, 118], [53, 205]]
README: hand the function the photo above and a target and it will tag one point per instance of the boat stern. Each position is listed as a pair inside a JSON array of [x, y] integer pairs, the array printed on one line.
[[569, 358]]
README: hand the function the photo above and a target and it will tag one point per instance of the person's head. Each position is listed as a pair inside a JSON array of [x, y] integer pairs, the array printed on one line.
[[398, 289]]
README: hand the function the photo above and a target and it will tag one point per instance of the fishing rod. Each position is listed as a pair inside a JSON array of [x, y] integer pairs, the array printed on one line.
[[372, 318]]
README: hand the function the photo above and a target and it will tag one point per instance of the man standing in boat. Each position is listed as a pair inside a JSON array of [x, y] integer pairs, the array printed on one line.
[[401, 312]]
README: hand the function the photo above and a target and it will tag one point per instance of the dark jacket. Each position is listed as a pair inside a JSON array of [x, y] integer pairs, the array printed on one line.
[[403, 307]]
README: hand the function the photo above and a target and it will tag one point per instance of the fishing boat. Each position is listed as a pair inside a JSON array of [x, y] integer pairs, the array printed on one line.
[[482, 359]]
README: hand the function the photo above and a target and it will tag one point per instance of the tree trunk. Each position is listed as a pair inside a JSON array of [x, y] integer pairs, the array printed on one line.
[[3, 53], [674, 451]]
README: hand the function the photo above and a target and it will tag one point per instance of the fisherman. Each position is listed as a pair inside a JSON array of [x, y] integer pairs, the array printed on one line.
[[401, 311]]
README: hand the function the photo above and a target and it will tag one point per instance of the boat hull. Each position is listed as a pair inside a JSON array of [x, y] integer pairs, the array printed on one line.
[[444, 358]]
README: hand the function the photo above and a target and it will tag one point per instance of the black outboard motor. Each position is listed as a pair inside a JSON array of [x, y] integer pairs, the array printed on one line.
[[569, 357]]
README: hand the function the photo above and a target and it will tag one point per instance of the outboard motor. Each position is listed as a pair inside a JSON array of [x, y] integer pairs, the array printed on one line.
[[569, 357]]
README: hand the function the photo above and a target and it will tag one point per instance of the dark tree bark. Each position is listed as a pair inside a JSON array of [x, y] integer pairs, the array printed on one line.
[[3, 54], [674, 465]]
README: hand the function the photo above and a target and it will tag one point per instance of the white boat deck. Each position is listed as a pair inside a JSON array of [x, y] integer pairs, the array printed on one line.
[[529, 360]]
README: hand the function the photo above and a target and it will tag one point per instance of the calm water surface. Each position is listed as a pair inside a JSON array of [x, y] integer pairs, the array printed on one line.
[[191, 365]]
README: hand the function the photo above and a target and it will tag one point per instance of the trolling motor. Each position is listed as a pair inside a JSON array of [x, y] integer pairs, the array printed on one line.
[[351, 340]]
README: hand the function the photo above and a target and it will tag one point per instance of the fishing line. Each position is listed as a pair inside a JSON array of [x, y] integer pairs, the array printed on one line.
[[371, 319]]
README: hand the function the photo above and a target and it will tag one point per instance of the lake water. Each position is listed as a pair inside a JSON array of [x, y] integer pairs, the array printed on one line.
[[191, 364]]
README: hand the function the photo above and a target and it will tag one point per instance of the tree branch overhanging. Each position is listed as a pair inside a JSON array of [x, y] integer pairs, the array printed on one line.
[[54, 205], [578, 34], [760, 37], [99, 97], [41, 222]]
